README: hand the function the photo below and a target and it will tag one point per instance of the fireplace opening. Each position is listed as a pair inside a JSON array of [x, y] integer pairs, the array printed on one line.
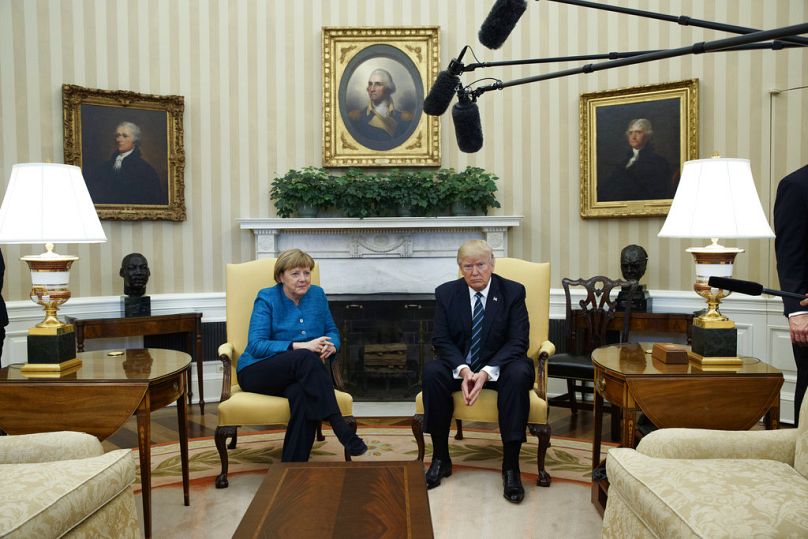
[[386, 340]]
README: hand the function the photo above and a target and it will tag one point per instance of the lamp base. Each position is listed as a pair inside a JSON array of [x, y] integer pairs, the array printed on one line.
[[49, 370], [51, 349], [715, 343]]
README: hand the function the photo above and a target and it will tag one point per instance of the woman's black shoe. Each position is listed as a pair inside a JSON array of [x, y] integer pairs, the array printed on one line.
[[356, 446], [437, 471]]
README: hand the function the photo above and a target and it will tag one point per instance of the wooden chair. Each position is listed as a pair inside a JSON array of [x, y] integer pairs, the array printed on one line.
[[237, 407], [586, 329], [536, 279]]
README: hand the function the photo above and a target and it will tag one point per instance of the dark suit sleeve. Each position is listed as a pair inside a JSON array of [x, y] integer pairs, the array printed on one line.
[[516, 337], [447, 349], [791, 242]]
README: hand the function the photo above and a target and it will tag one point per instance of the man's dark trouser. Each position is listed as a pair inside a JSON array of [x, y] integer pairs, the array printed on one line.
[[300, 376], [513, 399]]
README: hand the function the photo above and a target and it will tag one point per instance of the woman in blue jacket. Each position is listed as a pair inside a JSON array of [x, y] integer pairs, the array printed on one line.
[[291, 335]]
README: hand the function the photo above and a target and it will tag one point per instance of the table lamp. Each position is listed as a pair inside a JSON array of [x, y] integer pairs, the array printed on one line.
[[716, 198], [49, 203]]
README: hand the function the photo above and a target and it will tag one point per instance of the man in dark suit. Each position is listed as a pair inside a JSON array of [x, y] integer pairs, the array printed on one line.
[[791, 251], [480, 335]]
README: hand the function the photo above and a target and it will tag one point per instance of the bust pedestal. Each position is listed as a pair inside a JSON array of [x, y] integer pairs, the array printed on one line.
[[640, 301], [136, 306]]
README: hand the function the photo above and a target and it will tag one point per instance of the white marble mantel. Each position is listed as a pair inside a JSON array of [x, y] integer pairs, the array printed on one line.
[[380, 255]]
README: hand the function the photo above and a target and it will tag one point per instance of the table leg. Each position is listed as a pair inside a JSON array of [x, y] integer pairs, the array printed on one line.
[[182, 424], [598, 409], [629, 424], [772, 417], [199, 365], [144, 449]]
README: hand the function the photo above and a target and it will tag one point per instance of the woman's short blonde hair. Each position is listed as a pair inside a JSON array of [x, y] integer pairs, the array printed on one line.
[[290, 259], [474, 249]]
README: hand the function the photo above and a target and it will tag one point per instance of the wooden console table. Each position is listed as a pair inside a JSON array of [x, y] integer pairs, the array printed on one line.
[[137, 326], [678, 396], [98, 397]]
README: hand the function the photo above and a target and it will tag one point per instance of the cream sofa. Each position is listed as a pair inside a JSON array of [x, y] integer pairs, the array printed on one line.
[[710, 483], [62, 484]]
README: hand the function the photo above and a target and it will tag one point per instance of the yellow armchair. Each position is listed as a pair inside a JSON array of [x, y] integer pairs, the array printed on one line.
[[536, 279], [237, 407]]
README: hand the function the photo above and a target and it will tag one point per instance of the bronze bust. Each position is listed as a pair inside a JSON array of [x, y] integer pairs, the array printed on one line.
[[135, 272], [633, 261]]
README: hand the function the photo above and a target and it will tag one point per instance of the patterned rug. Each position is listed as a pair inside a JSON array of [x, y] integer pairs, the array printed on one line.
[[567, 459]]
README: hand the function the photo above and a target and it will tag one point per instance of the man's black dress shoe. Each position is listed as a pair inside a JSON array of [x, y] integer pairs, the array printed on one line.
[[512, 486], [437, 470]]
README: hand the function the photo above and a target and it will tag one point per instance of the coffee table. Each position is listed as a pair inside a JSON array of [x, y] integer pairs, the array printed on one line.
[[726, 398], [98, 397], [340, 499]]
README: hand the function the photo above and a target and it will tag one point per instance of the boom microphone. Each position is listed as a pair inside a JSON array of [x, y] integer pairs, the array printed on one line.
[[749, 288], [500, 21], [447, 83], [468, 130], [441, 94]]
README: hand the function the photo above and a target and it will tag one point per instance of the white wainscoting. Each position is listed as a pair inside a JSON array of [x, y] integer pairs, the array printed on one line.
[[762, 329]]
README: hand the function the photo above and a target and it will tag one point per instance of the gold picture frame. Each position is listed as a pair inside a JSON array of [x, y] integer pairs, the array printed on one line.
[[353, 133], [147, 182], [625, 178]]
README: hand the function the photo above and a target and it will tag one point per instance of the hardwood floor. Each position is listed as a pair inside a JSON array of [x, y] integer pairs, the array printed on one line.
[[164, 425]]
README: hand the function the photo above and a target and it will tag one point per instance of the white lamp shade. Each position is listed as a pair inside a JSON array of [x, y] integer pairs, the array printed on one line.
[[716, 198], [48, 203]]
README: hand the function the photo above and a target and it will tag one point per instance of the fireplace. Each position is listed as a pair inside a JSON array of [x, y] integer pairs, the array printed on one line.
[[380, 275], [385, 342]]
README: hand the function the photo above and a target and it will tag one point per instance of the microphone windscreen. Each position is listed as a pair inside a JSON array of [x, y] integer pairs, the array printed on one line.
[[468, 130], [441, 94], [500, 21], [736, 285]]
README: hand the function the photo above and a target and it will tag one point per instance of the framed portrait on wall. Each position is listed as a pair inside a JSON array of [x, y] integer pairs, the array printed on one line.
[[129, 147], [374, 84], [633, 144]]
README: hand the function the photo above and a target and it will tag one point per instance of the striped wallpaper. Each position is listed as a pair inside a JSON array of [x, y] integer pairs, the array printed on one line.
[[251, 75]]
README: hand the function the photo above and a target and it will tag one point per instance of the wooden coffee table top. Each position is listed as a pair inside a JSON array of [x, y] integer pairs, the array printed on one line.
[[340, 499]]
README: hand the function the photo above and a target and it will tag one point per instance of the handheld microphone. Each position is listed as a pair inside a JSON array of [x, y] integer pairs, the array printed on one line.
[[500, 22], [749, 288], [446, 84], [468, 130]]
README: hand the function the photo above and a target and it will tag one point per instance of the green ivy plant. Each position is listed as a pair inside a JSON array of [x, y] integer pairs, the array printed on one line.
[[309, 186], [361, 194], [475, 188]]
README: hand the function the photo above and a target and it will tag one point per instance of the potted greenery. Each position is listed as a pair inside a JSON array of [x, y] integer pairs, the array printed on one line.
[[303, 192], [410, 193], [472, 191], [360, 195]]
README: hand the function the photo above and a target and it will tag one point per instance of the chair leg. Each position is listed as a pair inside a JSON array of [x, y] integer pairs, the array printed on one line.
[[542, 432], [571, 389], [221, 436], [320, 436], [351, 421], [234, 440], [459, 435], [418, 431]]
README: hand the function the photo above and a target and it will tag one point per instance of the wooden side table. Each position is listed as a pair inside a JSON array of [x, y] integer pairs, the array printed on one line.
[[98, 397], [137, 326], [678, 396]]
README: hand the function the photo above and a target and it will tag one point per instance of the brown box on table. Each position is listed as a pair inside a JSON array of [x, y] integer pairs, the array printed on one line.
[[672, 354]]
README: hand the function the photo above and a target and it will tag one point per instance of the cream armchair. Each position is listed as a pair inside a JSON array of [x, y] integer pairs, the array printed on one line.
[[62, 484], [710, 483], [536, 279], [237, 407]]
